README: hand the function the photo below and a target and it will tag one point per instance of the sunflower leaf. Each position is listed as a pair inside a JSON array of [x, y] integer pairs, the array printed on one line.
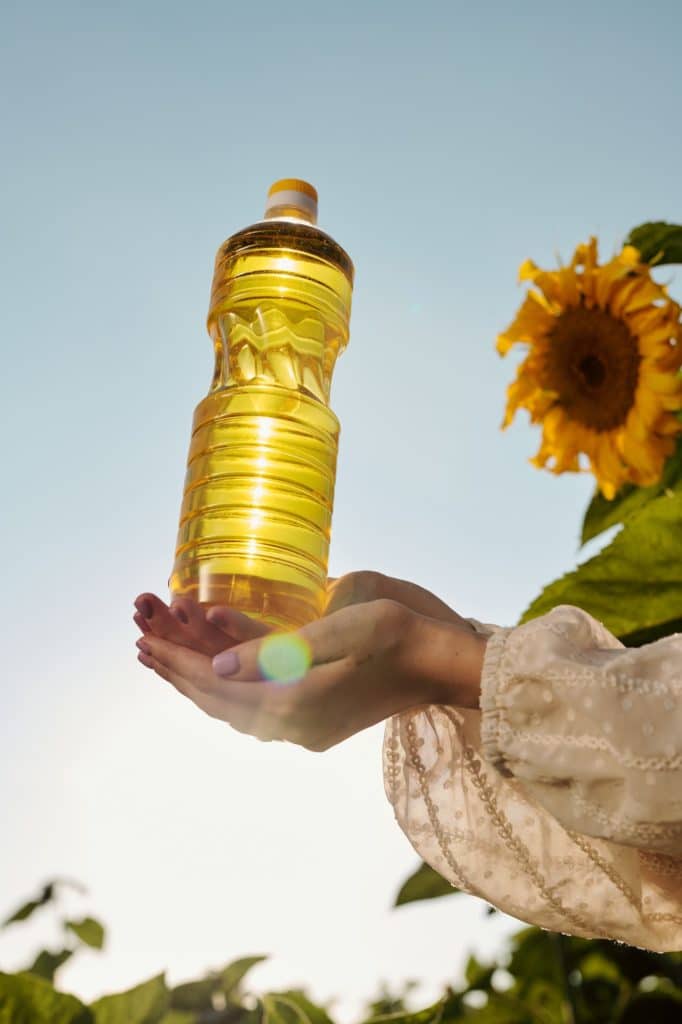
[[635, 583], [424, 884], [657, 241], [47, 963], [602, 514], [144, 1004], [27, 999]]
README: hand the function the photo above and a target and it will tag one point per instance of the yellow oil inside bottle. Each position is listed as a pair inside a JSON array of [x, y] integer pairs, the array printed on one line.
[[258, 496]]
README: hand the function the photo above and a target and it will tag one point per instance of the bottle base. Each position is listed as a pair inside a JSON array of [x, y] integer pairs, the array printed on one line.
[[281, 605]]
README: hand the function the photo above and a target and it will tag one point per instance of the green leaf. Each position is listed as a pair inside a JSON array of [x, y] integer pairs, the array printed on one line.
[[504, 1009], [281, 1010], [27, 999], [89, 931], [602, 514], [47, 963], [198, 995], [48, 893], [478, 975], [649, 634], [596, 965], [231, 977], [430, 1015], [179, 1017], [535, 955], [657, 240], [195, 995], [635, 583], [546, 1000], [31, 906], [314, 1013], [424, 884], [144, 1004]]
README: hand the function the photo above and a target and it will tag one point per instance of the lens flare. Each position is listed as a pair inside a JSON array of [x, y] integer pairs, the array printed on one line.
[[284, 657]]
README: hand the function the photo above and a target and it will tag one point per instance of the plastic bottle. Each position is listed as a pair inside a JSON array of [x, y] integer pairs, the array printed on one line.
[[257, 507]]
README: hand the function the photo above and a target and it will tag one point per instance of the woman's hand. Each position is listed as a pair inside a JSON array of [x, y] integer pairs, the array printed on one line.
[[361, 665], [210, 631]]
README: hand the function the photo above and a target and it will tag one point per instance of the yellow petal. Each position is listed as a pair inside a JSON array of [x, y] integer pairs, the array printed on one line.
[[630, 256], [531, 322], [669, 426], [663, 383]]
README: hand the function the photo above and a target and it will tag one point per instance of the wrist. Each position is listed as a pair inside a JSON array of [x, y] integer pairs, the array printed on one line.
[[448, 663]]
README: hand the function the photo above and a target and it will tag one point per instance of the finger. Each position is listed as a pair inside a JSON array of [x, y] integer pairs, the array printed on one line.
[[141, 623], [288, 656], [237, 625], [299, 713], [184, 622], [353, 588], [182, 661], [158, 617], [209, 635]]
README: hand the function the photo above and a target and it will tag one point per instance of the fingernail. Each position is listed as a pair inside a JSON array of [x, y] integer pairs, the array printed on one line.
[[180, 614], [144, 646], [218, 616], [140, 621], [144, 606], [226, 663], [145, 659]]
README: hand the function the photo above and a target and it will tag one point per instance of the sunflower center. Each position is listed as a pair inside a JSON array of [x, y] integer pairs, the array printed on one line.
[[592, 362], [593, 371]]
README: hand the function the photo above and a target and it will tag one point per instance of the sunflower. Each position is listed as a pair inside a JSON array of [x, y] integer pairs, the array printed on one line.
[[602, 371]]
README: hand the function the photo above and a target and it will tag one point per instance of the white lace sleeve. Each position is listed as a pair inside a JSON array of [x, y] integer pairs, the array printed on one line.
[[567, 811]]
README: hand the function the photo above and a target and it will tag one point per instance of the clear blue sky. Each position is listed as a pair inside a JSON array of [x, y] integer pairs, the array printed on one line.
[[448, 142]]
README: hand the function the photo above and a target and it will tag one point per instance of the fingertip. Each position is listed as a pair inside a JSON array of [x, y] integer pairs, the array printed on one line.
[[218, 615], [141, 622], [145, 604], [178, 612]]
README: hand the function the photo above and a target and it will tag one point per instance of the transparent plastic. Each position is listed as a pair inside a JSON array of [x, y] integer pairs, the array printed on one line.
[[257, 506]]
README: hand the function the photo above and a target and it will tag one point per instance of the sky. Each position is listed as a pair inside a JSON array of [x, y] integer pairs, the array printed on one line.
[[448, 142]]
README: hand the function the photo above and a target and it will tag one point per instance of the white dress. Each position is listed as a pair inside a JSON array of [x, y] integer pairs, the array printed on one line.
[[560, 800]]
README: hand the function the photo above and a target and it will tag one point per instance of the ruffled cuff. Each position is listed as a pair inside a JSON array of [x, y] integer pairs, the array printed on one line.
[[493, 700]]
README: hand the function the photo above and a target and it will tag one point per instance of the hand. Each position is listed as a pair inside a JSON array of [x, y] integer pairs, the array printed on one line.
[[186, 622], [366, 662], [357, 587]]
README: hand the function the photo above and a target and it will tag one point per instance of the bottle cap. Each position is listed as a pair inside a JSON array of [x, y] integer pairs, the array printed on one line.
[[291, 197]]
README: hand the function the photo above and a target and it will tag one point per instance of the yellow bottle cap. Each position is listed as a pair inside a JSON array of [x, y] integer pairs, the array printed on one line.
[[291, 197]]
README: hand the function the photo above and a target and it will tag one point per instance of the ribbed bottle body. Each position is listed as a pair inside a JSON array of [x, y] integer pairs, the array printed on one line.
[[257, 505]]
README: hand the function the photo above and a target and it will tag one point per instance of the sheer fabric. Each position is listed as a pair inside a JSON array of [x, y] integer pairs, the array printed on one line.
[[560, 800]]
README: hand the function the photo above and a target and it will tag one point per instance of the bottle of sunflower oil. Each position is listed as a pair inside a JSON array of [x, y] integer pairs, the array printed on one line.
[[257, 505]]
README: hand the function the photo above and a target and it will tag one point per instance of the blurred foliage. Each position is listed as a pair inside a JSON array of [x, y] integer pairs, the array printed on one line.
[[541, 978]]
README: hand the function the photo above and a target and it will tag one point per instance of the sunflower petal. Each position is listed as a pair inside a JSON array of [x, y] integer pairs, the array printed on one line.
[[531, 322]]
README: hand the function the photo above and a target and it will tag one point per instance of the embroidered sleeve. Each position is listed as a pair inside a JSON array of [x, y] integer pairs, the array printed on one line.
[[561, 800]]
